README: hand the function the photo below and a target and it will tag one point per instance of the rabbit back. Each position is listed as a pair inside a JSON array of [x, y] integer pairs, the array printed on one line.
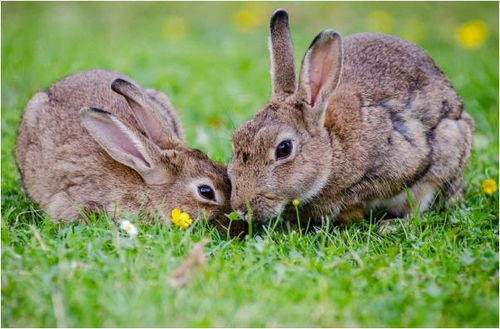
[[384, 70]]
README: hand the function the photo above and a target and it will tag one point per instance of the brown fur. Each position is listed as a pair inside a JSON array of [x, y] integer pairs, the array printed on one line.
[[392, 122], [67, 171]]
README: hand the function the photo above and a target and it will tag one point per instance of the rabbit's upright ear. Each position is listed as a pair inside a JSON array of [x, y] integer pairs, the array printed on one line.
[[321, 70], [146, 114], [282, 59], [125, 145]]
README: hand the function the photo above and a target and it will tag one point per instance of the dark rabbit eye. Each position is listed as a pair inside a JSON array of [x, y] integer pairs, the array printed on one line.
[[284, 149], [206, 192]]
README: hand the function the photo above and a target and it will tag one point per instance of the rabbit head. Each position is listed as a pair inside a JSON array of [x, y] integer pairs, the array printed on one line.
[[284, 152], [173, 175]]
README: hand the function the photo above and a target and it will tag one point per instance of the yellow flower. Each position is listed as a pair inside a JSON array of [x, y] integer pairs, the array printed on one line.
[[472, 34], [296, 202], [173, 28], [245, 21], [180, 219], [489, 186], [380, 21]]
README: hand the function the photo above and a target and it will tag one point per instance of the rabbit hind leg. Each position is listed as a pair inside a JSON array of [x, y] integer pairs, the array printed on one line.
[[61, 208], [418, 198]]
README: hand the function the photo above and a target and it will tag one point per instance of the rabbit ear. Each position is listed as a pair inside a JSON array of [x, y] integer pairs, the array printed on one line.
[[124, 145], [321, 69], [146, 114], [282, 60]]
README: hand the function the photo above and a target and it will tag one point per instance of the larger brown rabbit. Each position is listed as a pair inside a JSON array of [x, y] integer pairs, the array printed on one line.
[[97, 141], [370, 116]]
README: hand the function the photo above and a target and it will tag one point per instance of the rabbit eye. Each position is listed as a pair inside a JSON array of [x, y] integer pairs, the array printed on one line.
[[284, 149], [207, 192]]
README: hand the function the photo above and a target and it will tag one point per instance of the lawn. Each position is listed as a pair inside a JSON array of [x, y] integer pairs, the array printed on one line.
[[437, 269]]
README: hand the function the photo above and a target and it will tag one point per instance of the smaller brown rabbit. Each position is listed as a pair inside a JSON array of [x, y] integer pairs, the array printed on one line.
[[370, 117], [95, 140]]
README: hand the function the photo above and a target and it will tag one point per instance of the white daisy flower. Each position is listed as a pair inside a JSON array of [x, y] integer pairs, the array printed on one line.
[[130, 228]]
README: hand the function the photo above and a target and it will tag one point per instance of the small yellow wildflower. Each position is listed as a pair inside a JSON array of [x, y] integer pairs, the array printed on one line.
[[296, 202], [180, 219], [380, 21], [173, 28], [245, 21], [472, 34], [489, 186]]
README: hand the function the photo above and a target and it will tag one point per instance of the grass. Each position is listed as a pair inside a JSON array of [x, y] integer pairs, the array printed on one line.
[[437, 269]]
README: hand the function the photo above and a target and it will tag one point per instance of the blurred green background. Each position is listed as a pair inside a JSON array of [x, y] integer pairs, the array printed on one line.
[[211, 59]]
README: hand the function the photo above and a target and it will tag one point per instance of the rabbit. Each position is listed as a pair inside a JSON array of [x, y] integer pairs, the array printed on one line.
[[97, 141], [371, 120]]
